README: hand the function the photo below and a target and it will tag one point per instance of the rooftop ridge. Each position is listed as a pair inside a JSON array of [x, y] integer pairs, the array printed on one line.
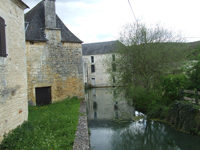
[[36, 20]]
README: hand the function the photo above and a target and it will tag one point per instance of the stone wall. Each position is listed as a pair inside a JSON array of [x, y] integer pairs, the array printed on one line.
[[55, 64], [13, 78], [102, 79]]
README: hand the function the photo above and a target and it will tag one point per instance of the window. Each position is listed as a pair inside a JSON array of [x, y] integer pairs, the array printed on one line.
[[2, 38], [114, 93], [93, 82], [113, 79], [26, 25], [113, 67], [92, 68], [113, 57], [92, 59]]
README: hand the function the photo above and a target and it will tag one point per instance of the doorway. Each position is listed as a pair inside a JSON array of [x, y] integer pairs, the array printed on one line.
[[43, 96]]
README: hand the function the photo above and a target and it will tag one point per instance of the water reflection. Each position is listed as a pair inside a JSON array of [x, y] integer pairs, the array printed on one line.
[[102, 105], [107, 134]]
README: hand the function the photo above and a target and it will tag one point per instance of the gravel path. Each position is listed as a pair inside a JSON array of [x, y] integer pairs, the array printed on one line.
[[82, 139]]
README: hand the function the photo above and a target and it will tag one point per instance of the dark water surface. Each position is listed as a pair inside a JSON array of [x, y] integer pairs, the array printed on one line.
[[109, 134]]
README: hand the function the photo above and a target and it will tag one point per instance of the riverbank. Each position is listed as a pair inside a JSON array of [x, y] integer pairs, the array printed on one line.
[[183, 115], [48, 127]]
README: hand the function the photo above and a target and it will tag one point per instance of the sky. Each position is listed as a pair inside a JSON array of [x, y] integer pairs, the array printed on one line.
[[102, 20]]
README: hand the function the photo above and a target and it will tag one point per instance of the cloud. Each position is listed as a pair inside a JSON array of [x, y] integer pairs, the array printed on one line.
[[82, 1], [91, 19], [103, 35]]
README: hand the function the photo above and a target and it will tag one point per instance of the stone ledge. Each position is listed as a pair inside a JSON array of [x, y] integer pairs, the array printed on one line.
[[82, 140]]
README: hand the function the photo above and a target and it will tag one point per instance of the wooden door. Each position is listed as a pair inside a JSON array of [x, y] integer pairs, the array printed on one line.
[[43, 96]]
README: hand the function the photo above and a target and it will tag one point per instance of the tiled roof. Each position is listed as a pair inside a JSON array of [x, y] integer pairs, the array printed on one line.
[[99, 48], [35, 22]]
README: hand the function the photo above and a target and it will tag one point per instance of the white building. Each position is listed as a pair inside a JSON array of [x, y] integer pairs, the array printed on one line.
[[94, 68]]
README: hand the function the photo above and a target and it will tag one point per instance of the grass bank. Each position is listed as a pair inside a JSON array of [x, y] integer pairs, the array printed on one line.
[[49, 127]]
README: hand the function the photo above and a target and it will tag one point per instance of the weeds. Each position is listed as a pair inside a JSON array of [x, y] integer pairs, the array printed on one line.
[[48, 127]]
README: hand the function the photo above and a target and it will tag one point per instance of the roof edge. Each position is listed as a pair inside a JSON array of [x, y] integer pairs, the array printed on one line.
[[39, 40], [99, 54], [52, 28], [21, 4], [102, 42], [71, 42]]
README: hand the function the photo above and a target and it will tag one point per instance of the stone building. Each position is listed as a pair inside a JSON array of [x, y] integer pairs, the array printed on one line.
[[13, 77], [54, 57], [102, 104], [94, 55]]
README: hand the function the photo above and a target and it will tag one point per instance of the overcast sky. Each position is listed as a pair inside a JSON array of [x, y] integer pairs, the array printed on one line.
[[101, 20]]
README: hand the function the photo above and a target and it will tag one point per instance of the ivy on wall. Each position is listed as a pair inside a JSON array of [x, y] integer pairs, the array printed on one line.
[[184, 116]]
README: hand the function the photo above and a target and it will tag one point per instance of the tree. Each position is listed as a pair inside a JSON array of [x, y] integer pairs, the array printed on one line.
[[143, 54], [193, 75]]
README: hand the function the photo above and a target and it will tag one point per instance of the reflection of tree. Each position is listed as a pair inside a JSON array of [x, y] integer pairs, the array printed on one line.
[[138, 136], [132, 136]]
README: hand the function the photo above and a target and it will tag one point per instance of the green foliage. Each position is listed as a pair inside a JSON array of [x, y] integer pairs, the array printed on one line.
[[19, 134], [143, 54], [194, 54], [193, 77], [158, 111], [142, 98], [170, 86], [48, 127], [182, 115]]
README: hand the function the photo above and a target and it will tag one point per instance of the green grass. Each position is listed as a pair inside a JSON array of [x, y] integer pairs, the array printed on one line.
[[49, 127]]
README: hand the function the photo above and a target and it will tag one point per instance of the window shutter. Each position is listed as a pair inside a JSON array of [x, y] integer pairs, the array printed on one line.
[[2, 38], [92, 68], [92, 59]]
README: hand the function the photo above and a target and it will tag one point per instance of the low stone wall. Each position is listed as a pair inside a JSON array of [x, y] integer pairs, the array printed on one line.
[[82, 140]]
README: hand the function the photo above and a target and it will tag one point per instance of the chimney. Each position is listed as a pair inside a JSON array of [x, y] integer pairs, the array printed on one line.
[[50, 13]]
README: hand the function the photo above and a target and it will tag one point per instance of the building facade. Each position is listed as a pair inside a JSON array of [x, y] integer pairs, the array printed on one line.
[[13, 77], [94, 66], [54, 57]]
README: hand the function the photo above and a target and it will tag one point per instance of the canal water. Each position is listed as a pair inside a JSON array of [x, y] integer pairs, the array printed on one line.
[[114, 125]]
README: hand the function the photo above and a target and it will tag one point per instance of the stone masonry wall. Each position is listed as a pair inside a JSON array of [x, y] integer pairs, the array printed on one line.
[[13, 78], [102, 79], [55, 64]]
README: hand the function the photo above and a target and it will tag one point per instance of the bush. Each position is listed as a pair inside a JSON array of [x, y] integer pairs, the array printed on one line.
[[142, 98], [171, 86], [158, 112], [184, 116], [193, 77]]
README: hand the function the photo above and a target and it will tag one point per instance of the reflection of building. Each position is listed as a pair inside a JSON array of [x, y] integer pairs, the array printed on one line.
[[94, 55], [54, 56], [13, 77], [101, 105]]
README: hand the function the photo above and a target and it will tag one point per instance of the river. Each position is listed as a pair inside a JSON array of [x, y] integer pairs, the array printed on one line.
[[114, 125]]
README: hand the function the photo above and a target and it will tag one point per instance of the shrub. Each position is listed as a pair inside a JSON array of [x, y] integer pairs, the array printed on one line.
[[193, 77], [142, 98], [184, 116], [158, 112], [170, 87]]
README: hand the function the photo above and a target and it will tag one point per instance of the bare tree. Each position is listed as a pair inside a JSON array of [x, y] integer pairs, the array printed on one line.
[[143, 54]]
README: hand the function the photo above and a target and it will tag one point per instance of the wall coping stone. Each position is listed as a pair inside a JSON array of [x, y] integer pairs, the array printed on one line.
[[82, 140]]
